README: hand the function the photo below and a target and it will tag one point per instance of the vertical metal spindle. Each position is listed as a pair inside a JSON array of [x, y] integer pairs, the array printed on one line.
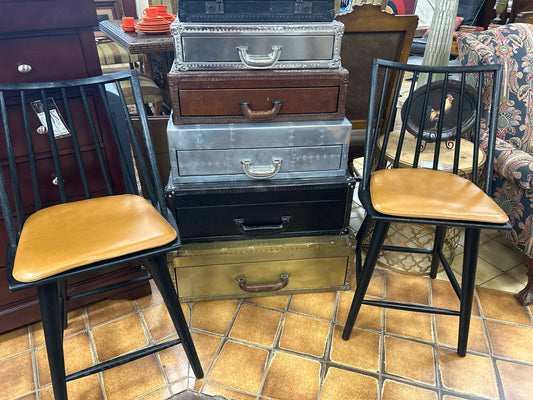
[[29, 135], [75, 142], [58, 180]]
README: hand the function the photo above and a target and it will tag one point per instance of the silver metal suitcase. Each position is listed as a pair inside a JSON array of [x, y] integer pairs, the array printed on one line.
[[276, 150], [203, 46]]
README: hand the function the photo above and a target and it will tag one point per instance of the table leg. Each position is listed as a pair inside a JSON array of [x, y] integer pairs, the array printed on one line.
[[158, 66], [525, 296]]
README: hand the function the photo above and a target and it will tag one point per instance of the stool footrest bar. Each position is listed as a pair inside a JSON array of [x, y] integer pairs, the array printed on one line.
[[401, 249], [411, 307], [122, 359], [109, 287]]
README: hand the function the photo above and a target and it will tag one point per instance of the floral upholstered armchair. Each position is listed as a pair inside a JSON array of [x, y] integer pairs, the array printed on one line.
[[512, 46]]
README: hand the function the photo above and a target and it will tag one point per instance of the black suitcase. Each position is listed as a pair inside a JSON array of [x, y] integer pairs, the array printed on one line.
[[258, 209], [243, 11]]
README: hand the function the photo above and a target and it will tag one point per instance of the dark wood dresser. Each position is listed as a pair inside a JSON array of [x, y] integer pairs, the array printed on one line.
[[45, 41]]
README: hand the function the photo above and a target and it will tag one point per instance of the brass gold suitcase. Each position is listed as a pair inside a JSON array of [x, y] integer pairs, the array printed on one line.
[[249, 268]]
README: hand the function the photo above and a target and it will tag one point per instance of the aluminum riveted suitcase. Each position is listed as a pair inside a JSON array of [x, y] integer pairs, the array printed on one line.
[[257, 96], [277, 150], [257, 10], [256, 46], [247, 209], [249, 268]]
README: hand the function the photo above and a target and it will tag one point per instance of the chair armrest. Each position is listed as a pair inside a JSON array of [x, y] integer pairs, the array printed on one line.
[[473, 52], [513, 164]]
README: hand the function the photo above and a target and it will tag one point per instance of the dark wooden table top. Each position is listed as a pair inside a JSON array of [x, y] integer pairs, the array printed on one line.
[[136, 42]]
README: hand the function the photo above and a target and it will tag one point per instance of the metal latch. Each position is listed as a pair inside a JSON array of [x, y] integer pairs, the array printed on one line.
[[214, 7], [303, 7]]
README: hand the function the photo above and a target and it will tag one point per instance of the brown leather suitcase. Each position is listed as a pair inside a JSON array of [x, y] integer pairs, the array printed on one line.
[[258, 95]]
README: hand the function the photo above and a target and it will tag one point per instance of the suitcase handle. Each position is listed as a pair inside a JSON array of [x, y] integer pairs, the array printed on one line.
[[261, 171], [253, 115], [264, 287], [259, 61], [262, 229]]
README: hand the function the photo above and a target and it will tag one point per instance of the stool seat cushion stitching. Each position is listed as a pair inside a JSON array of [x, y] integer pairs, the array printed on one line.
[[426, 193], [65, 236]]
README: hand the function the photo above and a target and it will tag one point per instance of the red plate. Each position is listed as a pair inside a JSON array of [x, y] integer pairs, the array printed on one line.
[[161, 23], [158, 19], [154, 32], [152, 28]]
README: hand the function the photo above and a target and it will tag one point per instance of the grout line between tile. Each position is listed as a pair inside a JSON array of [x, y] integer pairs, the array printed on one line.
[[436, 364], [35, 370], [275, 345], [94, 353], [223, 341], [382, 361]]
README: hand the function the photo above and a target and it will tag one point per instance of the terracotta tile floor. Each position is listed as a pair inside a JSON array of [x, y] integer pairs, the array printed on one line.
[[290, 347]]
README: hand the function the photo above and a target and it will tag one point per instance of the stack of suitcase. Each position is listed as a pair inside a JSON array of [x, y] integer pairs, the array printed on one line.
[[258, 146]]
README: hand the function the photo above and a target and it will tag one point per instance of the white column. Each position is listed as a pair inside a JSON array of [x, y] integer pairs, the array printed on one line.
[[440, 36]]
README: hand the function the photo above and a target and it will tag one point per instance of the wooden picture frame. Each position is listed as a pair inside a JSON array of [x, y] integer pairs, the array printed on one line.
[[432, 111], [108, 9]]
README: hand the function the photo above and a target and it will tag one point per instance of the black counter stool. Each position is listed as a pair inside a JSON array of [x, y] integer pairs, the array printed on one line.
[[429, 192], [88, 215]]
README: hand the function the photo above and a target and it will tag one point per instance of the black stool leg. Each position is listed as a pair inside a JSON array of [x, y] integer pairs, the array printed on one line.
[[365, 226], [63, 302], [467, 287], [51, 314], [440, 234], [378, 237], [159, 271]]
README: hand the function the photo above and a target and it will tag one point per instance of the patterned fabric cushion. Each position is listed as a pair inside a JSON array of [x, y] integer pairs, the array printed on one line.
[[151, 92], [114, 58], [514, 164], [111, 53], [512, 46]]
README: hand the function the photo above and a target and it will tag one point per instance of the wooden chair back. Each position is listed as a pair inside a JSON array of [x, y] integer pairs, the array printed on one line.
[[371, 33]]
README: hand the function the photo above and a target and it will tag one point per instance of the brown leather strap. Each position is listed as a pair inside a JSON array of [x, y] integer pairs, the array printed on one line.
[[260, 115], [264, 287]]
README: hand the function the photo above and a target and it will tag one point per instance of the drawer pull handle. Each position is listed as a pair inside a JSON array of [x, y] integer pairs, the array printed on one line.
[[24, 68], [259, 61], [262, 229], [260, 115], [264, 287], [261, 171]]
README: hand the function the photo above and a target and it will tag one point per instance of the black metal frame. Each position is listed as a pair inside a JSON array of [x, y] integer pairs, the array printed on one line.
[[104, 108], [488, 80]]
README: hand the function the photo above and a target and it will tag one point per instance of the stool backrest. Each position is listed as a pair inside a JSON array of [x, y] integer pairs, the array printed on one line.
[[432, 105]]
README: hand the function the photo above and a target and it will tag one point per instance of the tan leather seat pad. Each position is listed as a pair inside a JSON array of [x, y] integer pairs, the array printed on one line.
[[425, 193], [66, 236]]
